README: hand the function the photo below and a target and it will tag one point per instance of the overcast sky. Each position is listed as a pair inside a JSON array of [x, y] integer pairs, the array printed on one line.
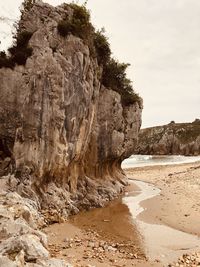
[[161, 40]]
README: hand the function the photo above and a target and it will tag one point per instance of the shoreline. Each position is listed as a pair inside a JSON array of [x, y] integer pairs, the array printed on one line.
[[177, 206], [162, 242], [111, 225]]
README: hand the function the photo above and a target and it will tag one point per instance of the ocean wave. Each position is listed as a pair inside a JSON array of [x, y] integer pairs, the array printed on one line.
[[149, 160]]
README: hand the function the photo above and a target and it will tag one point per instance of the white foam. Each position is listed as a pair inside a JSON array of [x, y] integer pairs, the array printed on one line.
[[149, 160]]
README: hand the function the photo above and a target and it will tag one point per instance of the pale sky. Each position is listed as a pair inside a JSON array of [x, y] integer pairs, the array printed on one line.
[[161, 41]]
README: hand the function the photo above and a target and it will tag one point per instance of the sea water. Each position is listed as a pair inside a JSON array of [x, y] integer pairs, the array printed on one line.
[[150, 160]]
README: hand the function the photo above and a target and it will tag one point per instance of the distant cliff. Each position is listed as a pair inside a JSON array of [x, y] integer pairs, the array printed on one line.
[[170, 139], [65, 126]]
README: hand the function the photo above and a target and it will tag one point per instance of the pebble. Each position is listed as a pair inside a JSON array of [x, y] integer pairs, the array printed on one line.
[[187, 260]]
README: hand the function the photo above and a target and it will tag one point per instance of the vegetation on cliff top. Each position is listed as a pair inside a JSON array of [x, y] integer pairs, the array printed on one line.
[[114, 77], [114, 73], [170, 139], [20, 50], [185, 132], [79, 24], [27, 5], [18, 53]]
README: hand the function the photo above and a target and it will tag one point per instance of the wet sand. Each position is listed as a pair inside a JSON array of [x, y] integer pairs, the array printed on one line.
[[161, 241], [111, 226], [178, 206]]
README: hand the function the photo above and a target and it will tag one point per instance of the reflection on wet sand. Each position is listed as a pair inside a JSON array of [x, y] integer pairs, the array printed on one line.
[[161, 242], [113, 222]]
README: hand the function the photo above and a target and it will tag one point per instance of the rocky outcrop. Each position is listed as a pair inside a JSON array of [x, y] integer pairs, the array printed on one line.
[[171, 139], [63, 135], [21, 243]]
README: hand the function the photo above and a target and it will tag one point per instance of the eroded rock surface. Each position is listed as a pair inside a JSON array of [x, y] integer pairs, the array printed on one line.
[[63, 135], [171, 139], [21, 243]]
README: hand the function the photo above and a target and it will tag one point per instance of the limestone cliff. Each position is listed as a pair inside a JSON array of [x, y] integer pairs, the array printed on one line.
[[63, 135], [171, 139]]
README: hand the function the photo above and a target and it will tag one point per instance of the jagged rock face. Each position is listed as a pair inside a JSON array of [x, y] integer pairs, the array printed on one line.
[[171, 139], [21, 243], [59, 127], [114, 135]]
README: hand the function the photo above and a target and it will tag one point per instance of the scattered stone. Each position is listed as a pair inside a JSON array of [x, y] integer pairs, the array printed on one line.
[[21, 243], [187, 260]]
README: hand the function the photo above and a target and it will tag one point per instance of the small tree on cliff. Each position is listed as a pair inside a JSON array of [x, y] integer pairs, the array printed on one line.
[[20, 50], [28, 4]]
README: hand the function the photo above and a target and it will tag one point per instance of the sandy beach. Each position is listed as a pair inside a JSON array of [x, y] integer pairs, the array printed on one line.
[[178, 205], [109, 237]]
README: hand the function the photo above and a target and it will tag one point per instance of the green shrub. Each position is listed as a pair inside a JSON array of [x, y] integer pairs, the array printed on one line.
[[23, 38], [5, 61], [130, 97], [64, 28], [79, 25], [102, 47], [22, 55], [19, 52], [80, 12], [190, 132], [27, 5], [114, 77], [114, 73]]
